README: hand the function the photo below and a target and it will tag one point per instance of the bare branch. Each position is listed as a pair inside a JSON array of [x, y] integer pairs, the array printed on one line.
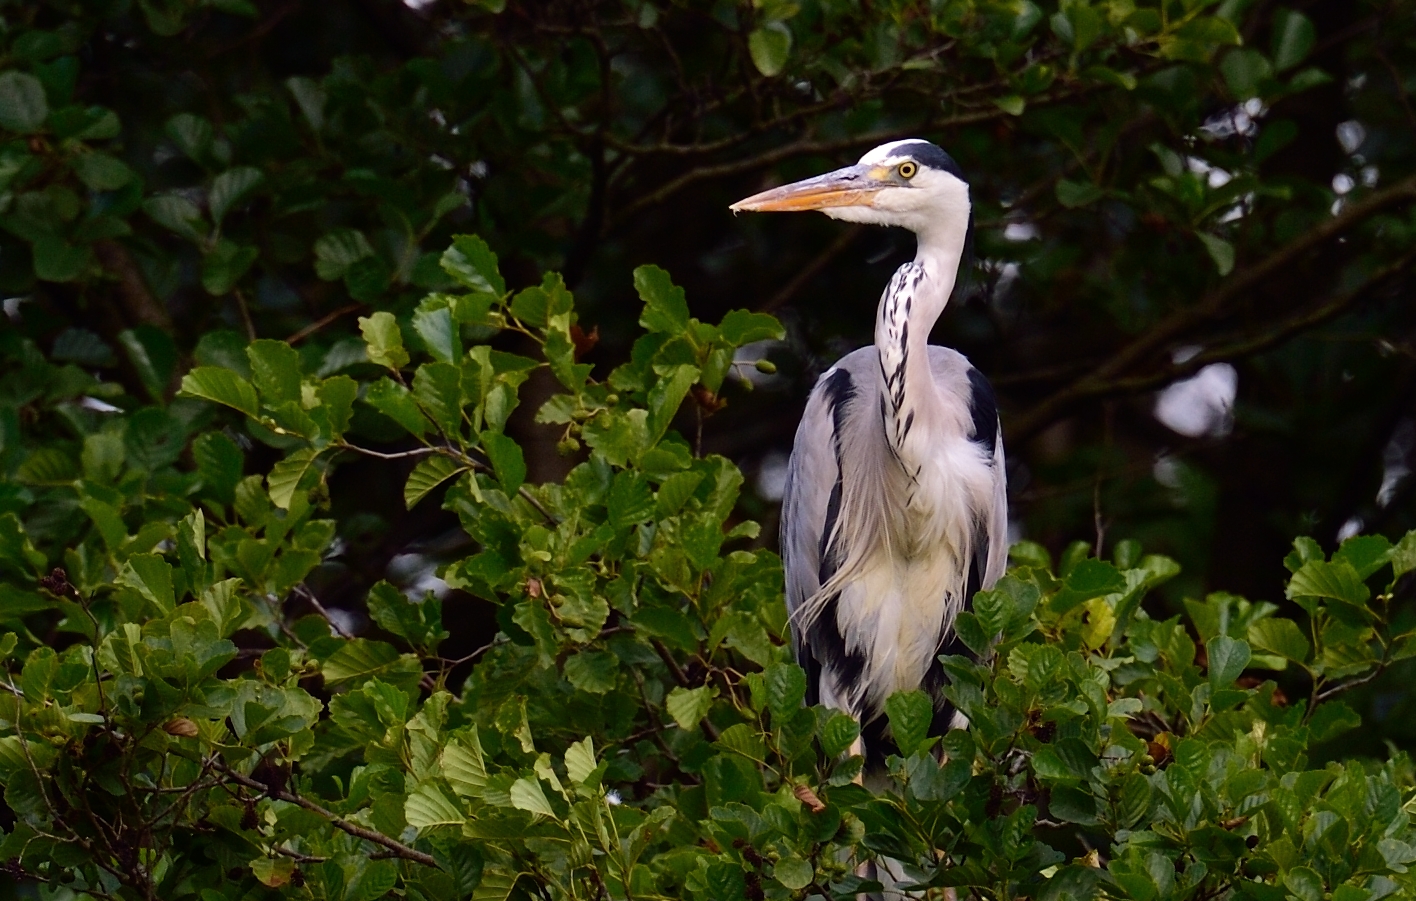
[[1104, 379], [397, 848]]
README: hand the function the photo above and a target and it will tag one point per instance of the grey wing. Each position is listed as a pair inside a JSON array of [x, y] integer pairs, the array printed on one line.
[[991, 541], [958, 378], [810, 505]]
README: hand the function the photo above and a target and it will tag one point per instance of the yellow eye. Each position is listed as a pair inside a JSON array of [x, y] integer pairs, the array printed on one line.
[[907, 169]]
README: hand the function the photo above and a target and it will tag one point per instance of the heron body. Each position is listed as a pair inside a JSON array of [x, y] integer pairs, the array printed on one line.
[[895, 509]]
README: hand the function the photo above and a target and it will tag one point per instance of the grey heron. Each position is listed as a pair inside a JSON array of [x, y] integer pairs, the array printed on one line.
[[895, 509]]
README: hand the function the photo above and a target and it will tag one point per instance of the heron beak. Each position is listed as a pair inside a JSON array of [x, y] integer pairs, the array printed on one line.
[[851, 186]]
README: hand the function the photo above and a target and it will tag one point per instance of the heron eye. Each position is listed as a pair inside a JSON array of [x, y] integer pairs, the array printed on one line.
[[907, 169]]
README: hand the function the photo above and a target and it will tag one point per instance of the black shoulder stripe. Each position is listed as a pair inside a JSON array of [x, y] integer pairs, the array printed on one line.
[[839, 390], [983, 407]]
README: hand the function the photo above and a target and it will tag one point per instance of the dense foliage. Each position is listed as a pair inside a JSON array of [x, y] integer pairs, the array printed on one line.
[[636, 729], [344, 555]]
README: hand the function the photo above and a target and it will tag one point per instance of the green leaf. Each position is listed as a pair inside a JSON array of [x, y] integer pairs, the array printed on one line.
[[220, 464], [383, 341], [688, 706], [526, 794], [191, 134], [417, 622], [595, 672], [1074, 194], [1293, 38], [230, 188], [665, 308], [1336, 580], [838, 733], [666, 397], [1220, 250], [56, 260], [1366, 553], [221, 386], [101, 172], [1332, 719], [359, 659], [223, 267], [785, 684], [1088, 579], [427, 807], [1304, 550], [1012, 104], [310, 98], [428, 474], [910, 713], [337, 251], [770, 45], [151, 577], [176, 213], [463, 766], [336, 406], [394, 401], [1281, 637], [1403, 556], [630, 500], [1244, 72], [154, 355], [507, 460], [439, 334], [793, 872], [23, 106], [580, 761], [471, 262], [1227, 659], [285, 476], [741, 327], [1305, 883], [275, 370]]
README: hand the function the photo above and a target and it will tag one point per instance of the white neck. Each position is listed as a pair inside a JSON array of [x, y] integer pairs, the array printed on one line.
[[907, 312]]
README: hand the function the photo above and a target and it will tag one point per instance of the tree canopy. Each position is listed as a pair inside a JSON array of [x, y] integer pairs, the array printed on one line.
[[389, 404]]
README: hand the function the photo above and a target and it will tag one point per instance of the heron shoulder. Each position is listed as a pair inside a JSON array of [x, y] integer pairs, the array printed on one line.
[[956, 377]]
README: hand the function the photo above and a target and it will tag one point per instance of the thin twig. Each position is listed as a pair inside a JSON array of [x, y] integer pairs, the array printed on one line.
[[323, 321], [808, 272], [309, 595], [396, 847], [1104, 379]]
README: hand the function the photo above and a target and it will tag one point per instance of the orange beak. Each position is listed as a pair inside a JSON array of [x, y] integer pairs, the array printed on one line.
[[851, 186]]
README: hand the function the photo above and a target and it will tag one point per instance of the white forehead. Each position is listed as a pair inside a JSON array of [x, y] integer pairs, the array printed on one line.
[[885, 151]]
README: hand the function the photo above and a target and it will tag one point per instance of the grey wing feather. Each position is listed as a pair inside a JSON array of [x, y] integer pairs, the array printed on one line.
[[811, 502]]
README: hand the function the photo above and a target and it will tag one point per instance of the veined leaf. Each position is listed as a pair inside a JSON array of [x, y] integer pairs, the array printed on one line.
[[1337, 581], [580, 760], [383, 341], [230, 188], [285, 477], [428, 806], [665, 308], [688, 706], [526, 794], [221, 386], [463, 766], [472, 263], [431, 472]]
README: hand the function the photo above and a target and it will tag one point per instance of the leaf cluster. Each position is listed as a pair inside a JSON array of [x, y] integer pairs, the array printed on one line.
[[637, 728]]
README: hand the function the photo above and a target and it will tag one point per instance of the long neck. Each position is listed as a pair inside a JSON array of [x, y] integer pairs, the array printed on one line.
[[908, 310]]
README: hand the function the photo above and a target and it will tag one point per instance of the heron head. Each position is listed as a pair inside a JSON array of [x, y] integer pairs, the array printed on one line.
[[910, 183]]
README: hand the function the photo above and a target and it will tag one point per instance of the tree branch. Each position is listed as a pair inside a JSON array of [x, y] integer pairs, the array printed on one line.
[[1105, 379], [398, 848]]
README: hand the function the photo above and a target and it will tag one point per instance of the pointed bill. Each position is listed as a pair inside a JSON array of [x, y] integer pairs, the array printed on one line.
[[851, 186]]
